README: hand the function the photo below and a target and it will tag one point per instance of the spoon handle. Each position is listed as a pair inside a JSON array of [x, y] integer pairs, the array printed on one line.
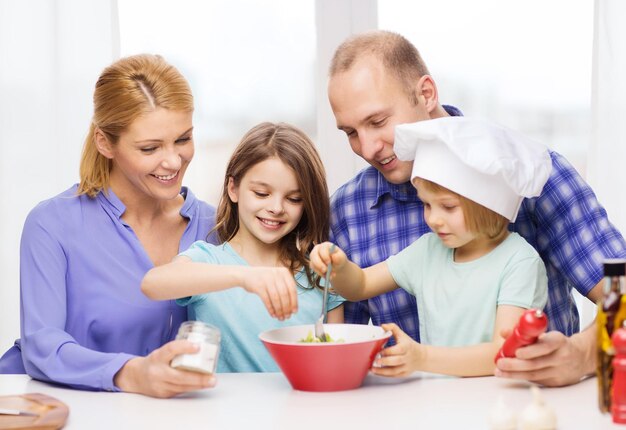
[[327, 285]]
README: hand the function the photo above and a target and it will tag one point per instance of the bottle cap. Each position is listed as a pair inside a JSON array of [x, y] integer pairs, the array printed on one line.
[[615, 267]]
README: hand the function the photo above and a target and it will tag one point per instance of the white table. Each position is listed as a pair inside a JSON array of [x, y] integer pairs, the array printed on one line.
[[267, 401]]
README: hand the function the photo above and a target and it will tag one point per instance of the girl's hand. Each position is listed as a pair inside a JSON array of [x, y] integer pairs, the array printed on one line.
[[153, 376], [399, 360], [276, 286], [320, 257]]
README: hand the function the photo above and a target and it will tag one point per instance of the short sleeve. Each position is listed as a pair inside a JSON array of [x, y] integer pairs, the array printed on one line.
[[403, 265], [525, 284], [334, 301], [199, 252]]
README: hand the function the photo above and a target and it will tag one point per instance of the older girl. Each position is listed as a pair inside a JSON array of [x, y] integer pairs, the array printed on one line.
[[274, 208]]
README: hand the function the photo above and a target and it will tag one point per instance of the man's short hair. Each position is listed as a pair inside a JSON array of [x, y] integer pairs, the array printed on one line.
[[398, 56]]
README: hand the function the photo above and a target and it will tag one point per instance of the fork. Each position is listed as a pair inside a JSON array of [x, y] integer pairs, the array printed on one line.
[[319, 324]]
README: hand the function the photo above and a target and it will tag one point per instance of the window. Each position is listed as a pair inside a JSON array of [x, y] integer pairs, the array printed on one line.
[[526, 65], [246, 61]]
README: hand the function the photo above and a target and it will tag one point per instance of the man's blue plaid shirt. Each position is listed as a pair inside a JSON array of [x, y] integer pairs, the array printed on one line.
[[373, 219]]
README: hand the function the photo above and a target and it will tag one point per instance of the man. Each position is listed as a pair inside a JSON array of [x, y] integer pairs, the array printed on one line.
[[378, 80]]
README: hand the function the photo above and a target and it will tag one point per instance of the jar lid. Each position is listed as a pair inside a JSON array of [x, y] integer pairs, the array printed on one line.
[[615, 267], [198, 327]]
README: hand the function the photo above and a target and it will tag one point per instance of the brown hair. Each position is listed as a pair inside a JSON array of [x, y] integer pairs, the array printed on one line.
[[125, 90], [478, 219], [297, 151], [398, 56]]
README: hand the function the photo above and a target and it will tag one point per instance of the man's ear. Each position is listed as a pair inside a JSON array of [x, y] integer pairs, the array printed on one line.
[[103, 144], [233, 190], [426, 92]]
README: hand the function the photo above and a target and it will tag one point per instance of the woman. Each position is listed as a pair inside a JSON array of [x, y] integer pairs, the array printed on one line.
[[85, 322]]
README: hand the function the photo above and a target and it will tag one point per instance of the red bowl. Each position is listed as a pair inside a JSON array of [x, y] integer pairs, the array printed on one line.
[[333, 366]]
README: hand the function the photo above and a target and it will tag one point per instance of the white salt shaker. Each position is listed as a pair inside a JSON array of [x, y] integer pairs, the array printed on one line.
[[207, 337]]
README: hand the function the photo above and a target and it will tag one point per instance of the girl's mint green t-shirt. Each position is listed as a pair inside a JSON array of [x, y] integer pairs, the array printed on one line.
[[457, 301]]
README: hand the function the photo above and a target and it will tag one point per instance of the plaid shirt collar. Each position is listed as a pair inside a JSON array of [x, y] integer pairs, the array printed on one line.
[[402, 192]]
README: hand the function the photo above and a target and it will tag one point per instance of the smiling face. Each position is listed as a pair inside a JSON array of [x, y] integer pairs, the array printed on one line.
[[368, 103], [269, 202], [151, 156]]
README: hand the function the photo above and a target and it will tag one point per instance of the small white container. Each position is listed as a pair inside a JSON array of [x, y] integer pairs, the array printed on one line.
[[207, 337]]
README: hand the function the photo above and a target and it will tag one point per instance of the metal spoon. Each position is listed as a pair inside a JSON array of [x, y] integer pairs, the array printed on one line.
[[319, 324]]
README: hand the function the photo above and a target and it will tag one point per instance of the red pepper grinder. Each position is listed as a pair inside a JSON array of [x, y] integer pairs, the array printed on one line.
[[531, 324], [618, 395]]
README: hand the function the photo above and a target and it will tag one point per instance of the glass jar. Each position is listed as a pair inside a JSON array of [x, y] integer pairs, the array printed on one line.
[[207, 337], [611, 314]]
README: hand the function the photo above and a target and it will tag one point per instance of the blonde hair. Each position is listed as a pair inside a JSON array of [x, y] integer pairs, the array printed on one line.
[[478, 219], [296, 150], [398, 56], [127, 89]]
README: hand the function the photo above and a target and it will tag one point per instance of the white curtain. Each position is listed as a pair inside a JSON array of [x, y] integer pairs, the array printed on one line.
[[607, 150], [51, 53]]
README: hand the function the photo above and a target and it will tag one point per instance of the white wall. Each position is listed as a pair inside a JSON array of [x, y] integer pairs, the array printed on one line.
[[608, 143], [51, 52]]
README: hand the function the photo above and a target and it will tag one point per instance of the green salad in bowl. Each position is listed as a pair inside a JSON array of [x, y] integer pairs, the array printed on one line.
[[314, 339]]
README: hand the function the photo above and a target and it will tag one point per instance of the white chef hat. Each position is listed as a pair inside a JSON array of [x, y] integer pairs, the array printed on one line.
[[484, 162]]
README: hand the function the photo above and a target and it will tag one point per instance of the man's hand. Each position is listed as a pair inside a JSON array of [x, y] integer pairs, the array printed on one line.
[[555, 360]]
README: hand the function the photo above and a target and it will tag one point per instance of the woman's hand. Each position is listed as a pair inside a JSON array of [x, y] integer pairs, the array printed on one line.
[[320, 257], [276, 287], [153, 376], [399, 360]]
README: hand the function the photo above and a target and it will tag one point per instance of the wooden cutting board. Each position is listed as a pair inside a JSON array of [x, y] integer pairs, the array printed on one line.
[[51, 412]]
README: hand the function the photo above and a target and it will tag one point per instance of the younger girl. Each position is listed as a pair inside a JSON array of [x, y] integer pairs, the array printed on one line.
[[274, 208], [471, 277]]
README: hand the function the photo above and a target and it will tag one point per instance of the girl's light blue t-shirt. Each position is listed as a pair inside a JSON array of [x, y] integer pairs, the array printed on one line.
[[241, 316]]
